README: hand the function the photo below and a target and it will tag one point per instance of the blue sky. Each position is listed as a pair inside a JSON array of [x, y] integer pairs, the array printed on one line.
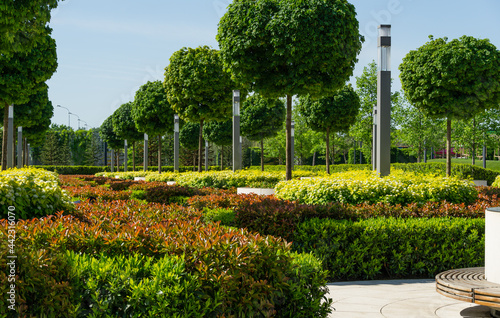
[[108, 49]]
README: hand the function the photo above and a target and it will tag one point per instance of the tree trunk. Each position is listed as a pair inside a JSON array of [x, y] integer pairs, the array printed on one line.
[[289, 162], [194, 161], [314, 158], [133, 155], [200, 146], [262, 154], [327, 150], [4, 139], [159, 154], [117, 160], [333, 149], [448, 147], [419, 151]]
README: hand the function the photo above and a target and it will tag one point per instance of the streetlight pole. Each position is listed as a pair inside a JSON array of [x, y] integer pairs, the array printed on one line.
[[69, 113], [383, 155], [176, 142], [10, 138], [293, 143], [19, 147], [236, 131], [146, 152], [78, 119]]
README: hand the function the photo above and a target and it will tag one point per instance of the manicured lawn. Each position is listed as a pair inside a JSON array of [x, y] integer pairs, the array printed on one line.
[[490, 164]]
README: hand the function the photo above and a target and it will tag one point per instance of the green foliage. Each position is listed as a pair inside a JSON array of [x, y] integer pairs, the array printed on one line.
[[151, 110], [188, 135], [67, 170], [335, 113], [231, 272], [455, 79], [108, 134], [124, 125], [41, 280], [395, 248], [218, 132], [261, 117], [224, 216], [32, 192], [23, 72], [55, 151], [24, 25], [134, 285], [290, 47], [364, 186], [197, 87]]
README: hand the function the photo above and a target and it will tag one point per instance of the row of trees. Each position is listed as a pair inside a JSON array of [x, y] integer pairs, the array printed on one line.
[[27, 60]]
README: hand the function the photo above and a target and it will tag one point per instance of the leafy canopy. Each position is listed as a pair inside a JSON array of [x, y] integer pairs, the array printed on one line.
[[219, 132], [453, 80], [261, 117], [336, 113], [151, 111], [21, 74], [124, 125], [197, 86], [287, 47], [108, 134]]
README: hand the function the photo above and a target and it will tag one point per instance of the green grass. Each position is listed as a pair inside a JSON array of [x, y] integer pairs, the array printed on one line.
[[490, 164]]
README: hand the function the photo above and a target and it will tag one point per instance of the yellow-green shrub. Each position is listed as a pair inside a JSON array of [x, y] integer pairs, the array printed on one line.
[[366, 186], [32, 192]]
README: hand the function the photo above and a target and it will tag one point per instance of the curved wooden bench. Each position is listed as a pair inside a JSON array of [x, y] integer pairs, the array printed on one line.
[[470, 285]]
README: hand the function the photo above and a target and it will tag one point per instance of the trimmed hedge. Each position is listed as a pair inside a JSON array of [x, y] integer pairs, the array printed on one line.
[[68, 170], [390, 247], [356, 187], [238, 273], [32, 193]]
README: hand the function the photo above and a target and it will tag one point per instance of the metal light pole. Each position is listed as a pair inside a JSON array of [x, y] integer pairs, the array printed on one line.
[[383, 155], [125, 145], [10, 138], [29, 155], [176, 142], [19, 147], [293, 143], [69, 119], [145, 152], [236, 131], [78, 119], [206, 155], [86, 125], [374, 139]]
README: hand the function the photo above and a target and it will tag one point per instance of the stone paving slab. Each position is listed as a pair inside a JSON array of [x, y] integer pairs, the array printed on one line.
[[396, 299]]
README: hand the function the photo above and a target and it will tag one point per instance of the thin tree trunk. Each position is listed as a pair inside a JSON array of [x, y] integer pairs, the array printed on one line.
[[314, 158], [221, 158], [289, 162], [159, 154], [4, 139], [133, 156], [194, 161], [448, 147], [200, 146], [333, 149], [328, 150], [262, 154]]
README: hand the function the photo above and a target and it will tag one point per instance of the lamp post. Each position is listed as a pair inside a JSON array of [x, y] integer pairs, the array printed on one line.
[[86, 125], [206, 155], [19, 147], [125, 145], [293, 143], [374, 139], [78, 119], [176, 142], [69, 119], [383, 155], [10, 138], [145, 152], [236, 131]]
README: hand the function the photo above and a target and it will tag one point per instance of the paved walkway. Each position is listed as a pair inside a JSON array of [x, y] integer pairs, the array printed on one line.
[[397, 299]]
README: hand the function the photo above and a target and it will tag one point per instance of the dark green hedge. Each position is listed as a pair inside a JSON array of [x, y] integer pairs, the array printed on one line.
[[391, 247], [88, 170]]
